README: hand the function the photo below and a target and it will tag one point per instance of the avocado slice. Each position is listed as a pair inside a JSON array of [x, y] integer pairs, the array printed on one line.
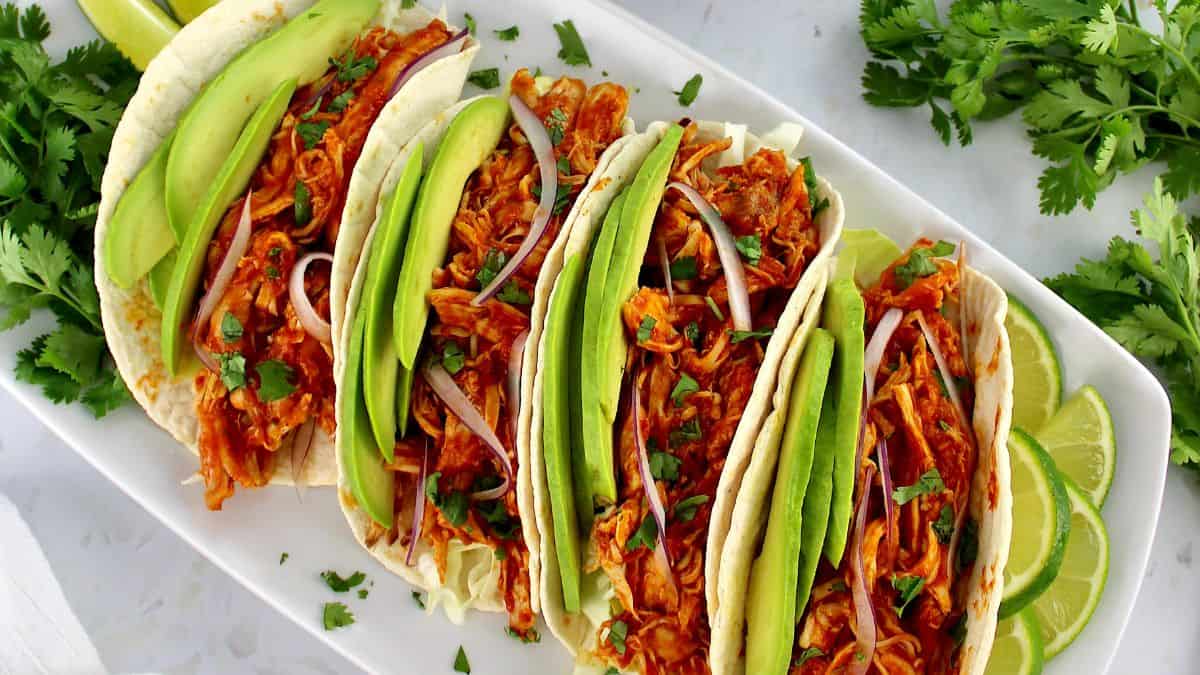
[[373, 486], [159, 279], [818, 497], [616, 273], [139, 234], [380, 364], [187, 10], [844, 317], [595, 461], [138, 28], [210, 128], [557, 431], [471, 137], [771, 601], [230, 181]]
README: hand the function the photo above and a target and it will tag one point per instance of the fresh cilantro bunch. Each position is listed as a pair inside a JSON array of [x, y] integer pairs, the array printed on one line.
[[1152, 306], [56, 125], [1101, 94]]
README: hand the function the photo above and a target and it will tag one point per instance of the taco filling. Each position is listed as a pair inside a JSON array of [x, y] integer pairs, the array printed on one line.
[[478, 346], [911, 536], [694, 374], [274, 376]]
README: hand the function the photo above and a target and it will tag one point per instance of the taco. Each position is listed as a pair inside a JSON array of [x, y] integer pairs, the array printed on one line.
[[872, 539], [446, 305], [682, 286], [253, 147]]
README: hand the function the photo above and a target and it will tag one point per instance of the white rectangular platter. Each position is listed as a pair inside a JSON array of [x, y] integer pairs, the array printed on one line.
[[391, 633]]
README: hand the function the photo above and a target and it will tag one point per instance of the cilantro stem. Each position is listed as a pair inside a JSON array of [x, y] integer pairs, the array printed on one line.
[[1133, 13], [1169, 48]]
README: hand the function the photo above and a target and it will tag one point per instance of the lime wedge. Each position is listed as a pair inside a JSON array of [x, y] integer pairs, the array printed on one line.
[[1067, 604], [1018, 647], [1080, 438], [1037, 376], [139, 28], [1041, 506]]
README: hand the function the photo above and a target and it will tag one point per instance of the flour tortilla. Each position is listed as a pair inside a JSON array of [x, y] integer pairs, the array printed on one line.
[[196, 55], [580, 632], [472, 570], [990, 501]]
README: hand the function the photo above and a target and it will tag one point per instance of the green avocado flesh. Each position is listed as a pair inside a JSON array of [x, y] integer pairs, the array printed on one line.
[[818, 497], [380, 365], [771, 603], [159, 279], [470, 138], [139, 235], [229, 183], [187, 10], [556, 429], [844, 318], [372, 485], [208, 131], [612, 279]]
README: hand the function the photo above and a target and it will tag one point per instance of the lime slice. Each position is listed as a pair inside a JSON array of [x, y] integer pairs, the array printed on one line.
[[1018, 647], [1067, 605], [1080, 438], [1037, 376], [139, 28], [1041, 506]]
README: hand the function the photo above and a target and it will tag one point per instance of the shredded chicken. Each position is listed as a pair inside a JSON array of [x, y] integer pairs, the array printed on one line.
[[924, 432], [667, 622]]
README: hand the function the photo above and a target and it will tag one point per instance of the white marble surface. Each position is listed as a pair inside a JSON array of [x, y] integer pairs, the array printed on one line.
[[152, 604]]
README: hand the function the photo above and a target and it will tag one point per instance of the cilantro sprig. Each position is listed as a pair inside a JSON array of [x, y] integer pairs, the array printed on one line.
[[1101, 95], [56, 125]]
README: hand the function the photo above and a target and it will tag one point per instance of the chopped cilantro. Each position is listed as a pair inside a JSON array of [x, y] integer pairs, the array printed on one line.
[[909, 587], [316, 108], [274, 251], [664, 466], [968, 545], [688, 94], [351, 68], [556, 125], [688, 431], [231, 328], [496, 515], [646, 535], [488, 78], [617, 633], [919, 264], [684, 268], [513, 294], [684, 388], [461, 664], [272, 272], [646, 328], [808, 655], [562, 196], [312, 133], [685, 510], [233, 370], [692, 332], [362, 594], [529, 637], [750, 246], [812, 186], [572, 53], [493, 262], [716, 309], [943, 527], [274, 380], [736, 336], [508, 34], [336, 615], [942, 424], [470, 21], [303, 206], [453, 358], [930, 482], [283, 557], [341, 101], [418, 599], [452, 505], [338, 584], [564, 165]]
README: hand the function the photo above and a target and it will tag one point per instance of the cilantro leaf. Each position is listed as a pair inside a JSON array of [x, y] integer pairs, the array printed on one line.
[[488, 78], [683, 388], [231, 328], [311, 133], [646, 535], [461, 664], [736, 336], [808, 655], [508, 34], [688, 431], [338, 584], [685, 510], [274, 380], [664, 465], [909, 587], [303, 206], [943, 527], [453, 358], [646, 328], [930, 482], [687, 95], [351, 68], [233, 370], [692, 333], [470, 21], [494, 261], [341, 101], [418, 599], [617, 633], [513, 294], [684, 269], [750, 246], [336, 615], [572, 51]]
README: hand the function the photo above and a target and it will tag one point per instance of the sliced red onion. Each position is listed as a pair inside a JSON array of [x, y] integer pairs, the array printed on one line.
[[453, 46], [237, 248], [962, 304], [947, 377], [515, 357], [864, 608], [662, 556], [731, 263], [302, 444], [878, 345], [666, 268], [319, 93], [444, 386], [885, 480], [543, 152], [312, 322], [414, 532]]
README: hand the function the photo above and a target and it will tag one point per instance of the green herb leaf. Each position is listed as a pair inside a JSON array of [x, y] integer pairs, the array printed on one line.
[[233, 370], [572, 53], [736, 336], [909, 587], [683, 388], [564, 166], [338, 584], [336, 615], [688, 431], [690, 89], [750, 246], [508, 34], [664, 465], [529, 637], [716, 310], [920, 265], [513, 294], [646, 328], [943, 527], [556, 125], [692, 333], [685, 510], [283, 557], [231, 328], [316, 108], [341, 101], [415, 595], [351, 68], [808, 655], [684, 269], [311, 133], [461, 664], [470, 21], [488, 78], [617, 633], [274, 380], [453, 358], [930, 482], [493, 262], [646, 535]]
